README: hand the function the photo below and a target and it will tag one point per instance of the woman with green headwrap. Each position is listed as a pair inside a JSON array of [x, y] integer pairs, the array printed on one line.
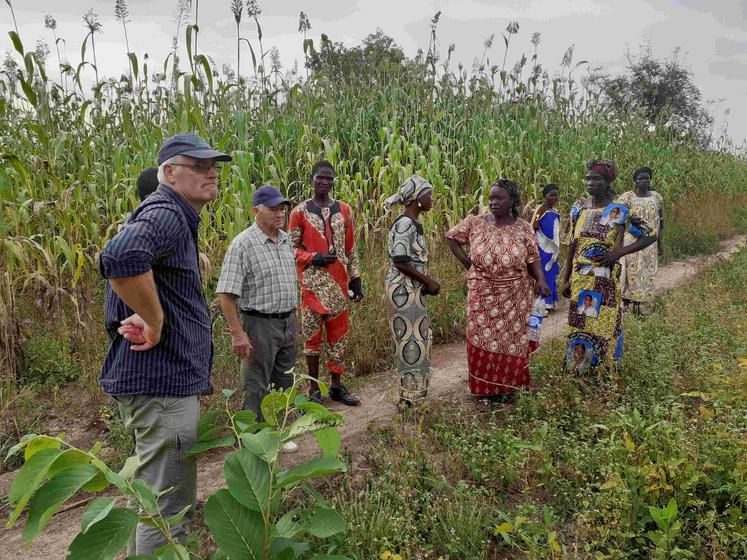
[[407, 284]]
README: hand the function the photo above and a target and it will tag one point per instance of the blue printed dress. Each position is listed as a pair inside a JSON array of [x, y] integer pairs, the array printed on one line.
[[548, 241]]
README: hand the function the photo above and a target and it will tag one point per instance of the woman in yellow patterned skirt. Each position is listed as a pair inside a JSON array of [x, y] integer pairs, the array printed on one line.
[[407, 286], [640, 268], [592, 271]]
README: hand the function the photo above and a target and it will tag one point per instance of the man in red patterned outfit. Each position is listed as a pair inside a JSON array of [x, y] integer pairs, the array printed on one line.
[[323, 236]]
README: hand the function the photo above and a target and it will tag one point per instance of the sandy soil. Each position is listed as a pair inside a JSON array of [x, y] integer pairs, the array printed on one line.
[[378, 398]]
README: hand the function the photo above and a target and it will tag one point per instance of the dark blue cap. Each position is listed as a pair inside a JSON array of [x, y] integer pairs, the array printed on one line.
[[269, 196], [188, 144]]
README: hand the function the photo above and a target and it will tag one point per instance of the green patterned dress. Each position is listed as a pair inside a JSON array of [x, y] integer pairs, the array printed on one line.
[[408, 310], [595, 313]]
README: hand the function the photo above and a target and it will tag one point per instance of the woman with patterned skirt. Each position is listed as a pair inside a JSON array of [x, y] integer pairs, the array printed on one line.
[[406, 285], [640, 268], [503, 265], [592, 271]]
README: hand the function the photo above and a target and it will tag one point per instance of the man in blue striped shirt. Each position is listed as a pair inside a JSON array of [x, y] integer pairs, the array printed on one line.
[[160, 353]]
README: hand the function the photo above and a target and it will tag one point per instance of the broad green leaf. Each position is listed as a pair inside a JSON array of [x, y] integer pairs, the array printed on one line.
[[171, 551], [317, 467], [308, 406], [228, 393], [323, 387], [130, 466], [324, 522], [39, 443], [95, 512], [28, 479], [97, 483], [238, 531], [272, 405], [312, 422], [52, 495], [175, 519], [244, 420], [145, 495], [285, 554], [248, 479], [67, 459], [115, 478], [281, 546], [24, 441], [329, 441], [265, 444], [664, 516], [133, 63], [16, 40], [206, 426], [201, 446], [106, 538], [202, 59], [504, 527], [287, 527]]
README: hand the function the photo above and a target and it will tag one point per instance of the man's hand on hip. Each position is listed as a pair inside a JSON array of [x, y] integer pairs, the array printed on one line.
[[139, 333], [241, 345]]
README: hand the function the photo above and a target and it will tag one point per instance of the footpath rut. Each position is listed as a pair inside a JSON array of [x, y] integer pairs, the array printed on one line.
[[378, 403]]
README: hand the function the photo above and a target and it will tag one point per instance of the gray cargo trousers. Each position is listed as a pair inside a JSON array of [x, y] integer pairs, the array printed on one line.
[[163, 429]]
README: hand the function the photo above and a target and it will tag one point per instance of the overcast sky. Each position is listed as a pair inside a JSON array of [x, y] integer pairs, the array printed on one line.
[[712, 34]]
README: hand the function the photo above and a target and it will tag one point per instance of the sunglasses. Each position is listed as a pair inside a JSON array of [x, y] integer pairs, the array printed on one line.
[[201, 166]]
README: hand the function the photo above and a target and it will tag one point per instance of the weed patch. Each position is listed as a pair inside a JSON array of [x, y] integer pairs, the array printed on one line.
[[647, 463]]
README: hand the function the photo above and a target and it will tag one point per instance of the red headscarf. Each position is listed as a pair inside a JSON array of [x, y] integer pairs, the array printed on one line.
[[606, 168]]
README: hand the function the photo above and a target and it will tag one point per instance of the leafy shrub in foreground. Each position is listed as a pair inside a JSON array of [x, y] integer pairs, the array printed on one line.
[[247, 519]]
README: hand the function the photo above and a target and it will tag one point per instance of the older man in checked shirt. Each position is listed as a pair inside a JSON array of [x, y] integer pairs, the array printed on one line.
[[258, 296]]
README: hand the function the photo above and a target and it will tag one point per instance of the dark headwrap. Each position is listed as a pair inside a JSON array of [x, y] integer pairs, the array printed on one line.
[[512, 189], [642, 170], [606, 168], [547, 189]]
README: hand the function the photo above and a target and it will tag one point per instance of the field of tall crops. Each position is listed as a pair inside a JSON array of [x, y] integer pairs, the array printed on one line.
[[69, 155]]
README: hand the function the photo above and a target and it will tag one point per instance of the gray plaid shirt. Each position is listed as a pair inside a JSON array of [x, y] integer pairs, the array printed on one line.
[[260, 272]]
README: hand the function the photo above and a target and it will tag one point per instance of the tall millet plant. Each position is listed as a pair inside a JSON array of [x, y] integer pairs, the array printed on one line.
[[94, 26], [237, 7], [122, 15], [51, 24]]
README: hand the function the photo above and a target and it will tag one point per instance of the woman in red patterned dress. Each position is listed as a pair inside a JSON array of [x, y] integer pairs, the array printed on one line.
[[504, 269]]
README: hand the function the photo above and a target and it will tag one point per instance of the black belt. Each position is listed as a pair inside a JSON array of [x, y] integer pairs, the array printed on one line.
[[256, 313]]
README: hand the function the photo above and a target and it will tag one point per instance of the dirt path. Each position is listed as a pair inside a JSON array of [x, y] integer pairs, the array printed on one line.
[[378, 398]]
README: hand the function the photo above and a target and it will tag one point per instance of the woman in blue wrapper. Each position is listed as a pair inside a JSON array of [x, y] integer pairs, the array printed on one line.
[[546, 224]]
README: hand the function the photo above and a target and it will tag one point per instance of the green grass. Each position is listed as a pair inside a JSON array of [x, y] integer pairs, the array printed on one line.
[[580, 468]]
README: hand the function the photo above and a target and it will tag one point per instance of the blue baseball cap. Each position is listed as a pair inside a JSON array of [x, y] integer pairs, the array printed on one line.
[[268, 196], [188, 144]]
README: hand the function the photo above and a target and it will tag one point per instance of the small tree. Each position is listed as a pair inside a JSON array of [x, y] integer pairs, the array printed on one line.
[[337, 61], [662, 91], [249, 518]]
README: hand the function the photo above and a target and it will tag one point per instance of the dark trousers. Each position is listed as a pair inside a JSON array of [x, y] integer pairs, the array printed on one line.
[[273, 355]]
